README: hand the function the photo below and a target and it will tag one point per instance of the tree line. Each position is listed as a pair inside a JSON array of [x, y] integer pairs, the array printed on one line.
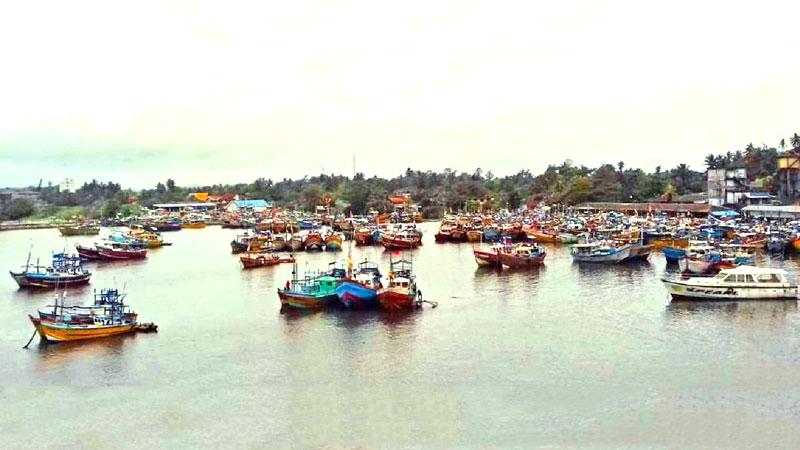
[[434, 192]]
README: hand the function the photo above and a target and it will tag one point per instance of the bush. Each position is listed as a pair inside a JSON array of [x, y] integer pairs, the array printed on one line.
[[17, 209]]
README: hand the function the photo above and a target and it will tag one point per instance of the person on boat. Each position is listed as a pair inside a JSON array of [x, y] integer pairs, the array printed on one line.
[[288, 285]]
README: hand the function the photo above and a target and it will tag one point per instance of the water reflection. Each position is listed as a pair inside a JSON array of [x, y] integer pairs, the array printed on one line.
[[743, 312], [111, 350]]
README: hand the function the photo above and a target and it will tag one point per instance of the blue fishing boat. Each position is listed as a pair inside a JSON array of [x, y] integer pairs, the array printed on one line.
[[491, 235], [66, 270], [673, 254], [305, 224], [598, 252], [360, 290]]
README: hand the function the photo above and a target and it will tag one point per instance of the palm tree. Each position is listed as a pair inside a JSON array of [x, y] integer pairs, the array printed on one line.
[[782, 144], [711, 161], [795, 141]]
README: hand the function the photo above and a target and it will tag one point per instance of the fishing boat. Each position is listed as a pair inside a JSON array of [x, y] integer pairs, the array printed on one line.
[[474, 235], [278, 242], [194, 224], [599, 252], [361, 289], [249, 242], [488, 257], [254, 260], [776, 243], [363, 236], [170, 224], [458, 234], [85, 229], [403, 240], [401, 290], [333, 242], [313, 242], [673, 254], [740, 283], [639, 252], [543, 236], [112, 250], [521, 256], [310, 292], [443, 235], [148, 238], [66, 270], [491, 234], [115, 319], [296, 243]]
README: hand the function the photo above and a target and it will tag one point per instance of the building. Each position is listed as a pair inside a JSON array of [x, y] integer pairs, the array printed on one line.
[[254, 205], [772, 211], [788, 177], [176, 207], [8, 194], [686, 209], [727, 186]]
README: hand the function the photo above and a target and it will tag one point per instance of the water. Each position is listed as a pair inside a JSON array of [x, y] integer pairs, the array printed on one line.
[[564, 356]]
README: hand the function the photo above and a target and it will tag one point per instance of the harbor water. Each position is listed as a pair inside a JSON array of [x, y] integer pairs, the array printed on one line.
[[567, 355]]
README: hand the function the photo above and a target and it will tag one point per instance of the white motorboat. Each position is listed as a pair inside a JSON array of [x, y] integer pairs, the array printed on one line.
[[740, 283]]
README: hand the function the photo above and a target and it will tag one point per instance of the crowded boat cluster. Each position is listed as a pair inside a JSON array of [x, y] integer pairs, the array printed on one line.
[[715, 256]]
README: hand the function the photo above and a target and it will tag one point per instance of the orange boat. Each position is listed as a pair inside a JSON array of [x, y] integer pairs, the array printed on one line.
[[543, 236], [253, 260], [658, 244]]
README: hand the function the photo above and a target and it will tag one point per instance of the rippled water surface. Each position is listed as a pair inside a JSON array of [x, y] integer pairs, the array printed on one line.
[[566, 356]]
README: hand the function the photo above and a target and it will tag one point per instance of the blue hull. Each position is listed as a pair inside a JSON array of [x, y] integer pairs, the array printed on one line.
[[355, 295], [673, 254], [491, 235]]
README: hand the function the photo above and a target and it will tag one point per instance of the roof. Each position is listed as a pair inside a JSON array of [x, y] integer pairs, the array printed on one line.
[[753, 269], [758, 195], [252, 203], [184, 205], [793, 209], [647, 207]]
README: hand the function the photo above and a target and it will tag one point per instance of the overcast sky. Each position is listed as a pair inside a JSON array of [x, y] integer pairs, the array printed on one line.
[[207, 92]]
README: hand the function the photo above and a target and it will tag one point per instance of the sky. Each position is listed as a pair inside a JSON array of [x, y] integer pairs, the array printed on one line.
[[223, 92]]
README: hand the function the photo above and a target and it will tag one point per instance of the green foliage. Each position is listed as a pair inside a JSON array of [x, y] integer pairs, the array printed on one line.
[[16, 209]]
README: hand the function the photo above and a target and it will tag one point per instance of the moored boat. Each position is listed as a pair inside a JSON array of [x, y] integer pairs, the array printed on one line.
[[740, 283], [598, 252], [521, 256], [404, 240], [313, 242], [65, 271], [85, 229], [333, 242], [253, 260], [401, 290], [310, 292], [361, 289], [113, 320]]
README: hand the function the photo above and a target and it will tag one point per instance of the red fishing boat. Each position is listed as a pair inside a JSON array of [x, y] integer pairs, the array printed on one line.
[[363, 236], [404, 240], [401, 292], [118, 250], [313, 241], [488, 257], [521, 256]]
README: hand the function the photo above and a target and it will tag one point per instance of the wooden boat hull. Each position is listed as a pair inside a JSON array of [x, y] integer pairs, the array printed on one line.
[[441, 238], [114, 255], [333, 243], [486, 259], [353, 295], [363, 238], [56, 332], [474, 235], [194, 225], [295, 245], [87, 253], [545, 238], [511, 261], [394, 243], [49, 281], [673, 254], [313, 243], [611, 258], [396, 299], [639, 253], [79, 231], [304, 301], [659, 244]]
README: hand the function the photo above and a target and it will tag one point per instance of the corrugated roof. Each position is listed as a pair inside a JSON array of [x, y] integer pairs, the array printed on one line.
[[646, 207]]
